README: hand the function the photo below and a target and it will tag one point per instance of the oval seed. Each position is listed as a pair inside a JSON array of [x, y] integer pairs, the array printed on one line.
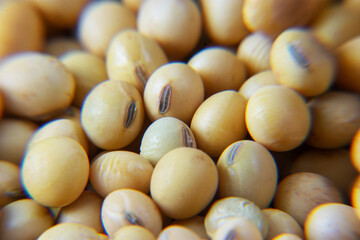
[[235, 149], [130, 114], [132, 218], [298, 56], [164, 99], [141, 74], [188, 140]]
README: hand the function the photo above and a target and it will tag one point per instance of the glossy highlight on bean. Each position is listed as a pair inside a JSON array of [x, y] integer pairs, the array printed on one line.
[[164, 99], [130, 114], [298, 56], [141, 73], [235, 149], [132, 219], [188, 140]]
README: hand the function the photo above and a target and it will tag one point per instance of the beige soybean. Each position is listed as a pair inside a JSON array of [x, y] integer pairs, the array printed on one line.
[[195, 224], [255, 82], [276, 16], [60, 127], [35, 85], [62, 14], [299, 61], [10, 185], [184, 182], [219, 121], [173, 90], [125, 207], [55, 171], [84, 210], [334, 164], [219, 69], [298, 193], [114, 170], [24, 219], [112, 114], [336, 118], [244, 166], [254, 52], [132, 57], [237, 228], [87, 69], [335, 25], [14, 137], [163, 135], [15, 15], [277, 117], [332, 221], [227, 208], [133, 232], [175, 232], [99, 21], [223, 21], [348, 60], [174, 24], [280, 222], [66, 231], [58, 46]]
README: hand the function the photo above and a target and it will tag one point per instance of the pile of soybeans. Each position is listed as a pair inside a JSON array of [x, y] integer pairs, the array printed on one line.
[[179, 119]]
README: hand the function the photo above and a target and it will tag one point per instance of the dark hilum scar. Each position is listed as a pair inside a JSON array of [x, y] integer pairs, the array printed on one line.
[[131, 218], [130, 114], [233, 152], [141, 74], [298, 55], [188, 140], [164, 99]]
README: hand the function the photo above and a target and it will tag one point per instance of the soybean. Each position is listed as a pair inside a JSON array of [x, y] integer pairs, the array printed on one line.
[[173, 90], [219, 121], [278, 117], [167, 22], [133, 57], [112, 114], [122, 208], [115, 170]]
